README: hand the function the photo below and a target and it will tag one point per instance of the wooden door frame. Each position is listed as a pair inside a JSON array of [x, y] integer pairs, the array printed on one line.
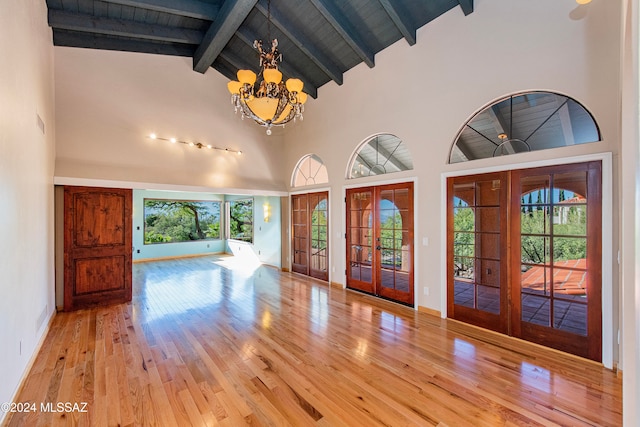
[[372, 182], [608, 315]]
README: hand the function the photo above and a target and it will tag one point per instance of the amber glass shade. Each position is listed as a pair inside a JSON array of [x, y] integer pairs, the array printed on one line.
[[246, 77], [234, 87], [271, 75], [294, 85]]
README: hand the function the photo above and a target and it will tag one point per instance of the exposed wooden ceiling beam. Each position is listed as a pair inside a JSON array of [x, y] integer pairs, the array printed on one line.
[[565, 123], [93, 41], [465, 151], [401, 20], [287, 69], [119, 27], [191, 8], [227, 22], [304, 43], [224, 67], [350, 34], [237, 62], [380, 151], [467, 6], [501, 126]]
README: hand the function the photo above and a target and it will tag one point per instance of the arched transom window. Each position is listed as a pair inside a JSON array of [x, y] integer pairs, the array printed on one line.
[[524, 122], [379, 154], [310, 170]]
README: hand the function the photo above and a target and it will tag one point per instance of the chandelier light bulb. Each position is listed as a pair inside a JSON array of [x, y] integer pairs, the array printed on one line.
[[153, 136], [173, 140], [583, 1]]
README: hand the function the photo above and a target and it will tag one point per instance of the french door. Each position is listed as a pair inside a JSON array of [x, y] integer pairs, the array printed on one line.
[[309, 237], [380, 241], [526, 261]]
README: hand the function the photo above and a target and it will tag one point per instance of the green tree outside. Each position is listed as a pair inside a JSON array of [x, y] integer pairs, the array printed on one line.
[[170, 221]]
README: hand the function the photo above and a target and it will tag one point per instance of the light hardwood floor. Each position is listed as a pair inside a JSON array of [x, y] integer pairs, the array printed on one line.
[[203, 343]]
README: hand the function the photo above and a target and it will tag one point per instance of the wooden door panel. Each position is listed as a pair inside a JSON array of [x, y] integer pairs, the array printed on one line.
[[97, 246], [99, 220], [95, 275]]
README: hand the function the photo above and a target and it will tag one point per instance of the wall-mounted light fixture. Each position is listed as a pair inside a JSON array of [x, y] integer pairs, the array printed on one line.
[[266, 210], [194, 144]]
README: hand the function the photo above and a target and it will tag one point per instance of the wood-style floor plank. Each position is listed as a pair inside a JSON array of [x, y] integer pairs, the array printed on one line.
[[207, 342]]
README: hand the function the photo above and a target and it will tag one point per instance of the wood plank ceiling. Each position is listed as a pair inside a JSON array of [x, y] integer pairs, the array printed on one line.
[[319, 39]]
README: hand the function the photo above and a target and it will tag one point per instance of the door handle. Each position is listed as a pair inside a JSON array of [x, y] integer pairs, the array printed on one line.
[[378, 247]]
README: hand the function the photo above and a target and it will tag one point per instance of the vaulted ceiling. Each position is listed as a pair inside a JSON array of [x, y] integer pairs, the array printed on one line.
[[319, 39]]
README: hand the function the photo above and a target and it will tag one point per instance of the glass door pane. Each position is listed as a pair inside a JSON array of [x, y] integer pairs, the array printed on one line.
[[554, 251], [477, 250], [558, 224], [300, 243], [319, 222], [395, 240], [360, 255]]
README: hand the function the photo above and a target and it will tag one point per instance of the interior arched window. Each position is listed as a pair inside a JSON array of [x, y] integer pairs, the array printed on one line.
[[378, 155], [310, 170], [524, 122]]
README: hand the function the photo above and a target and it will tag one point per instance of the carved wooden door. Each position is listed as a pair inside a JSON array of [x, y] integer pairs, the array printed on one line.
[[97, 246]]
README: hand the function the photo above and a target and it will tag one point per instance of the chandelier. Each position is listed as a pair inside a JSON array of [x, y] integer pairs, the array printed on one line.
[[269, 102]]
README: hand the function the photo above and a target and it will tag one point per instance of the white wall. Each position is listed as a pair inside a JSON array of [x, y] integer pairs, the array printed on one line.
[[26, 187], [630, 209], [108, 102], [426, 92], [266, 246]]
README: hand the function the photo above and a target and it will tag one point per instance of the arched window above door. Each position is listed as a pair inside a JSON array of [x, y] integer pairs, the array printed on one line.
[[524, 122], [310, 170], [379, 154]]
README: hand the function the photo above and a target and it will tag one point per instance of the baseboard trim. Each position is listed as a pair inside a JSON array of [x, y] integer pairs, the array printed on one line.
[[336, 285], [285, 270], [165, 258], [429, 311], [5, 417]]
